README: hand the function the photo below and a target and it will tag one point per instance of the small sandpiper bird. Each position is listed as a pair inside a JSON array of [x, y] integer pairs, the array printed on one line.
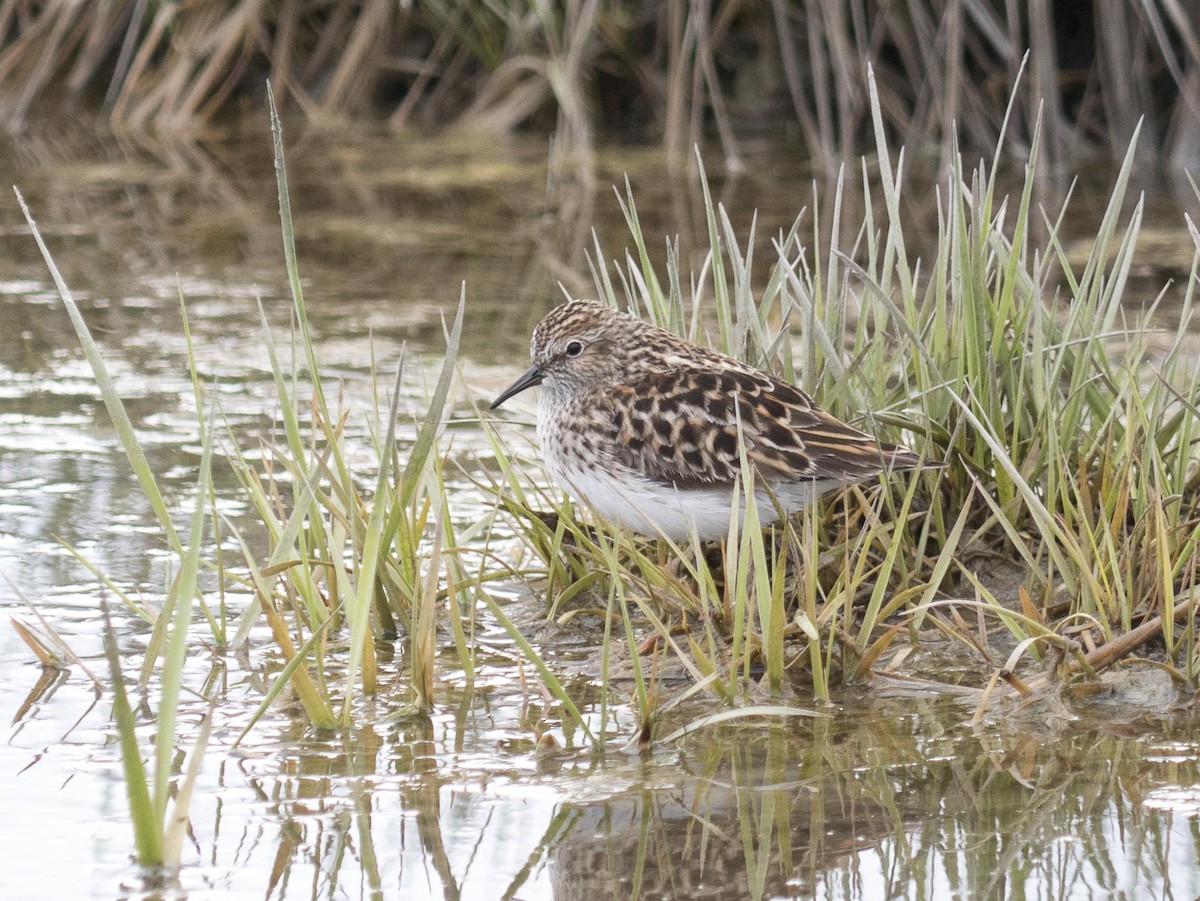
[[642, 427]]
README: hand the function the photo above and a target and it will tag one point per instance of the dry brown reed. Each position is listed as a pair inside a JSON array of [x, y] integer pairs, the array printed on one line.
[[672, 71]]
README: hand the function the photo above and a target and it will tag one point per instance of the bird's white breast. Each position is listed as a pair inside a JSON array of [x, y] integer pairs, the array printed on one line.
[[628, 499]]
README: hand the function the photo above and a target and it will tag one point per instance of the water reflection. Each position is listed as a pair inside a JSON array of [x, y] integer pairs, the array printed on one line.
[[877, 800]]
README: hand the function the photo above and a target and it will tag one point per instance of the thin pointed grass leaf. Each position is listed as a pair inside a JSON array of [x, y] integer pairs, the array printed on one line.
[[747, 322], [177, 824], [287, 403], [946, 555], [437, 404], [761, 711], [720, 286], [748, 552], [458, 598], [177, 643], [735, 573], [600, 274], [193, 371], [282, 679], [1020, 229], [552, 684], [140, 610], [704, 663], [289, 254], [1009, 109], [891, 189], [1122, 264], [871, 615], [159, 633], [358, 610], [285, 538], [776, 620], [46, 656], [314, 702], [650, 284], [1049, 527], [675, 289], [108, 391], [1193, 231], [147, 828], [64, 649], [770, 615], [424, 627], [609, 551], [1166, 587], [1112, 215], [634, 285], [831, 274], [605, 663]]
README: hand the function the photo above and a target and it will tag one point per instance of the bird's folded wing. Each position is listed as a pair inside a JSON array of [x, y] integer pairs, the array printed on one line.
[[681, 428]]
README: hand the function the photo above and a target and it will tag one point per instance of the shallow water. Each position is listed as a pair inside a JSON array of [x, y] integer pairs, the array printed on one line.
[[889, 793]]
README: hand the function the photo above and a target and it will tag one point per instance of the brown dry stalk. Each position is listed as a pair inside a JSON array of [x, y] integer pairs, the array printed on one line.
[[1120, 647], [941, 67]]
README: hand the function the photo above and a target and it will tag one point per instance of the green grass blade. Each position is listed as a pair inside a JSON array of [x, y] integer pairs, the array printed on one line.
[[177, 643], [281, 681], [315, 704], [108, 391], [289, 254], [548, 678], [147, 827], [437, 405], [358, 610]]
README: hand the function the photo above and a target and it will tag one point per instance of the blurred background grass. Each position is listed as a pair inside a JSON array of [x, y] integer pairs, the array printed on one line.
[[603, 70]]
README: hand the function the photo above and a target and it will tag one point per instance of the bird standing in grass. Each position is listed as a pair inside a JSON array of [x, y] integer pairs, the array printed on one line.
[[643, 427]]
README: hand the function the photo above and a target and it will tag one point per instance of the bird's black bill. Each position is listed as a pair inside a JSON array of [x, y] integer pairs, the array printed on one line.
[[529, 378]]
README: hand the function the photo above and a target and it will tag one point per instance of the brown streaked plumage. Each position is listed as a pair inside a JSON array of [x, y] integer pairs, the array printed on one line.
[[642, 426]]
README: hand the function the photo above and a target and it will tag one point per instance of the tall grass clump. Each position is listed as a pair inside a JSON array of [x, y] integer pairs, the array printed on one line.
[[158, 836], [1066, 418], [349, 561], [158, 808]]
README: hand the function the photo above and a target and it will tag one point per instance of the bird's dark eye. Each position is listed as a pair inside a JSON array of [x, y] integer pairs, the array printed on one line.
[[574, 348]]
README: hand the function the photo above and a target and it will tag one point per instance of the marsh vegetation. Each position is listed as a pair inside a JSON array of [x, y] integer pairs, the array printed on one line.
[[666, 72], [355, 589]]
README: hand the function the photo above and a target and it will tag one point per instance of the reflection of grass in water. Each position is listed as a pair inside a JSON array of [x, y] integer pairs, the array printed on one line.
[[1063, 451], [859, 807]]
